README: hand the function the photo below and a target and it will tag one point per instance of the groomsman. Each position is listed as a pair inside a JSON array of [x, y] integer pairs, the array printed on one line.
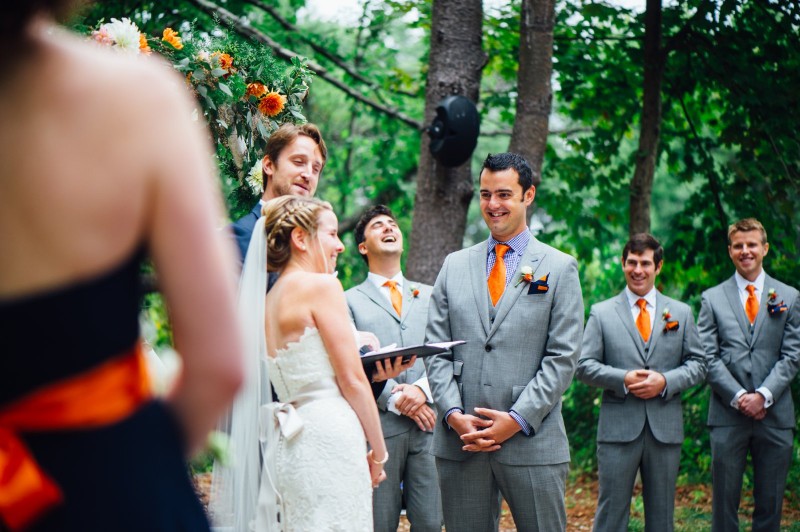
[[750, 327], [396, 310], [642, 349], [517, 303]]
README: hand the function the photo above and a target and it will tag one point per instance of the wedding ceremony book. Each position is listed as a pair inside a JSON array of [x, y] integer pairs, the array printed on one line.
[[423, 350]]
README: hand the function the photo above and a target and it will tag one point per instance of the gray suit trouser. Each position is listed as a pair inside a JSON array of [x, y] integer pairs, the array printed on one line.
[[618, 464], [771, 452], [471, 493], [412, 464]]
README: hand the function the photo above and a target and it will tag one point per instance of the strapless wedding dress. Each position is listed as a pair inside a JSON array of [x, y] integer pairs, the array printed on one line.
[[320, 470]]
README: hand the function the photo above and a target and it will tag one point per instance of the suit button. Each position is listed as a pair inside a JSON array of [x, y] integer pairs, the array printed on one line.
[[404, 327], [647, 367], [488, 348]]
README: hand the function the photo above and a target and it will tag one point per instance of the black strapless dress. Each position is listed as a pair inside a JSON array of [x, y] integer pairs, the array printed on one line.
[[128, 476]]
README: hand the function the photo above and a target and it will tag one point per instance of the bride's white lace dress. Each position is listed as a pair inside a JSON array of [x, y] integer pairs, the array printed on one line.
[[321, 473]]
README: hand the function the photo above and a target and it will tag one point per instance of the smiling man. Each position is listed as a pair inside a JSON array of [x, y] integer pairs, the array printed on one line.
[[517, 303], [396, 310], [293, 161], [750, 328], [642, 349]]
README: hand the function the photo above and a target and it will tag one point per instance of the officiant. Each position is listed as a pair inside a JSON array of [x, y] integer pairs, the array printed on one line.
[[396, 311]]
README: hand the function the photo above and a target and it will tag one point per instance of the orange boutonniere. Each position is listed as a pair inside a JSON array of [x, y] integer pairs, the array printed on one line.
[[669, 323], [414, 290], [773, 307], [525, 275]]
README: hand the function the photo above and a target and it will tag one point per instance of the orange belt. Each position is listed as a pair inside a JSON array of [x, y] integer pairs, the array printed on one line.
[[101, 396]]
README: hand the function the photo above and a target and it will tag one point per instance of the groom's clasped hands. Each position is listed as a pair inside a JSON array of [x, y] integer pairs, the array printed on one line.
[[483, 435]]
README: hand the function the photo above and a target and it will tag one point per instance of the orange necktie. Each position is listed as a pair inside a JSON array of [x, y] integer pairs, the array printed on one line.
[[396, 296], [643, 320], [497, 277], [751, 305]]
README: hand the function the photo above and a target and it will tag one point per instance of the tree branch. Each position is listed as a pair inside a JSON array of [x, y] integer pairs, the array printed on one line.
[[336, 60], [249, 32], [507, 132]]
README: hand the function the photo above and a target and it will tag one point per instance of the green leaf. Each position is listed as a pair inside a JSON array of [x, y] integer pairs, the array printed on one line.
[[224, 88], [218, 72]]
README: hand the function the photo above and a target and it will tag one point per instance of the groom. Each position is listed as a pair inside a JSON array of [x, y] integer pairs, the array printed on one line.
[[517, 303]]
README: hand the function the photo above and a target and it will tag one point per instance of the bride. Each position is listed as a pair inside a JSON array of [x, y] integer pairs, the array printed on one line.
[[317, 473]]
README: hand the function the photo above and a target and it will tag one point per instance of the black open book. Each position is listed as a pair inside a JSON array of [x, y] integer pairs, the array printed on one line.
[[424, 350]]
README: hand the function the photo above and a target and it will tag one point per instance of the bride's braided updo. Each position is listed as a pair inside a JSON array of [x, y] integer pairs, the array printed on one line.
[[282, 215]]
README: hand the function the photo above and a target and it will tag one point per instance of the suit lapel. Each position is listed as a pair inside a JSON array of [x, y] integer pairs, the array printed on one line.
[[658, 328], [408, 300], [763, 313], [732, 293], [532, 257], [480, 290], [374, 294], [626, 318]]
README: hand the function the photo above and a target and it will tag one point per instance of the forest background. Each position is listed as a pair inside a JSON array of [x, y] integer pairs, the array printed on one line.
[[676, 119]]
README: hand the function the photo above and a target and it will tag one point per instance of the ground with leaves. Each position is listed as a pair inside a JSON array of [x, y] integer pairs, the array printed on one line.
[[692, 508]]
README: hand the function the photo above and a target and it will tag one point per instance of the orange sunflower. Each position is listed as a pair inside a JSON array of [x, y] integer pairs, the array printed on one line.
[[171, 36], [256, 89], [272, 104]]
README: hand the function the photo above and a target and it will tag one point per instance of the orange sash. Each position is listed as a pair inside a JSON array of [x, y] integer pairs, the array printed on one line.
[[100, 396]]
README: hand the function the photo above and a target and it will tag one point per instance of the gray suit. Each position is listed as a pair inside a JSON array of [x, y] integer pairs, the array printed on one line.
[[410, 462], [768, 357], [634, 433], [524, 360]]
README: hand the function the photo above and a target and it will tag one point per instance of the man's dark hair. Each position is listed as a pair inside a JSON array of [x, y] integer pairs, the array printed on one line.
[[365, 219], [640, 242], [504, 161]]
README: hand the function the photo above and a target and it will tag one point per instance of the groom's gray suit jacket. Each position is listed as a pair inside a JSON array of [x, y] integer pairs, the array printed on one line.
[[612, 346], [522, 360], [770, 357], [371, 311]]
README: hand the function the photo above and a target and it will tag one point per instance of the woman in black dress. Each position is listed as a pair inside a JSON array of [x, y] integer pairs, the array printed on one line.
[[101, 165]]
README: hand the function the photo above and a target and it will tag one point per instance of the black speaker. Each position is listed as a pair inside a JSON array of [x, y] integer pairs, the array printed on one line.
[[454, 131]]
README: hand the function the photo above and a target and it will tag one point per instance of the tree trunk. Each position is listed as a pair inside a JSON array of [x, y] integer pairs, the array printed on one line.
[[534, 90], [650, 132], [443, 194]]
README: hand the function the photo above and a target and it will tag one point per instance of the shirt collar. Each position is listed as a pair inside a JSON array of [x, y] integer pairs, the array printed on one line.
[[518, 243], [742, 283], [650, 297], [379, 280]]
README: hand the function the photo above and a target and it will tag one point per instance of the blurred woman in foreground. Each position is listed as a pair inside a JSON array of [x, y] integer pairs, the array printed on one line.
[[102, 166]]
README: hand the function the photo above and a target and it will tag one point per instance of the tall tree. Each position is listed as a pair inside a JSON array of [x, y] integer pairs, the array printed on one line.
[[534, 89], [650, 125], [443, 194]]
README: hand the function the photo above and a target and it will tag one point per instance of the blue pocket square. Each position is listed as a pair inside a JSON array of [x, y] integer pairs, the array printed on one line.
[[539, 286]]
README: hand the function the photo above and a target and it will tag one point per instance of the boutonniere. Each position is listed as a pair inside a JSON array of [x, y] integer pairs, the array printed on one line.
[[539, 286], [773, 307], [414, 290], [669, 323], [525, 275]]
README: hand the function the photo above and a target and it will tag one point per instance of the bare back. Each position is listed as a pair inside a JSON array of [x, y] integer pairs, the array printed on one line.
[[82, 149]]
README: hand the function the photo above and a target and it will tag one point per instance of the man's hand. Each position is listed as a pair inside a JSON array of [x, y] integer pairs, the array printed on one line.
[[411, 398], [390, 368], [503, 426], [645, 384], [425, 418], [752, 405], [467, 424]]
